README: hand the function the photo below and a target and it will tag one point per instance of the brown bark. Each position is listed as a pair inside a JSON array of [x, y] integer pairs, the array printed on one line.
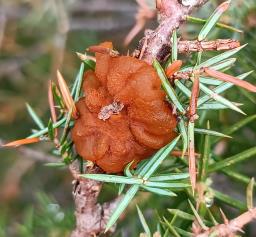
[[91, 217], [232, 227], [172, 14], [215, 45]]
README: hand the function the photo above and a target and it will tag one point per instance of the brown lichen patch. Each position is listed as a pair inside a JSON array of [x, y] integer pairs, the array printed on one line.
[[144, 124]]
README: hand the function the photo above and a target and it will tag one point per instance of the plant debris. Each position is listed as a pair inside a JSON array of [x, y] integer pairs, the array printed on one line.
[[108, 110]]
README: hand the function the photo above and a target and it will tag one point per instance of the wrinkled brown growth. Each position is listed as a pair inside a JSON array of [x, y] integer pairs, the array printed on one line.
[[144, 125]]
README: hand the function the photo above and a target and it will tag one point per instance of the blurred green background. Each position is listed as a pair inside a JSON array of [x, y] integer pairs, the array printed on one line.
[[37, 37]]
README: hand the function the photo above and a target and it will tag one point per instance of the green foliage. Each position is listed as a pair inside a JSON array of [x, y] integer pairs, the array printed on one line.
[[34, 116], [143, 222], [174, 46], [167, 87]]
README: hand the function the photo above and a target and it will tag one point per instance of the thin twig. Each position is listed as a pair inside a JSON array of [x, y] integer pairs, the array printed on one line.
[[232, 227], [189, 46], [214, 45], [172, 14], [91, 217], [33, 154]]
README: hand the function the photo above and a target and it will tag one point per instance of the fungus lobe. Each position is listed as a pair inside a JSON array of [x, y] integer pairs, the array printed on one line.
[[144, 123]]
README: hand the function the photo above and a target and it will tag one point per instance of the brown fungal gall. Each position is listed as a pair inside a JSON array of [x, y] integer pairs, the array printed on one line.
[[141, 124]]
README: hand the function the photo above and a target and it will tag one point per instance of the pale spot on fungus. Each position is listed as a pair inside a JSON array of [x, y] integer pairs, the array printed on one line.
[[108, 110]]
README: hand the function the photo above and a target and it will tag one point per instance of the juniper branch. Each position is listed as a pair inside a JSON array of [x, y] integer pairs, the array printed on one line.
[[232, 227], [189, 46], [172, 14], [91, 217]]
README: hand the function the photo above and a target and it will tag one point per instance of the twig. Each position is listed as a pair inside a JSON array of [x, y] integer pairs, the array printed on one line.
[[232, 227], [188, 46], [216, 45], [33, 154], [91, 217], [172, 14]]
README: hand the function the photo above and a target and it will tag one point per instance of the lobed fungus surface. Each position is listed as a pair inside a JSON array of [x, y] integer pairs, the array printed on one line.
[[142, 124]]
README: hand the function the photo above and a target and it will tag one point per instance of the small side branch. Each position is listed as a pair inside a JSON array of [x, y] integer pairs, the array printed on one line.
[[188, 46], [232, 227], [215, 45]]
